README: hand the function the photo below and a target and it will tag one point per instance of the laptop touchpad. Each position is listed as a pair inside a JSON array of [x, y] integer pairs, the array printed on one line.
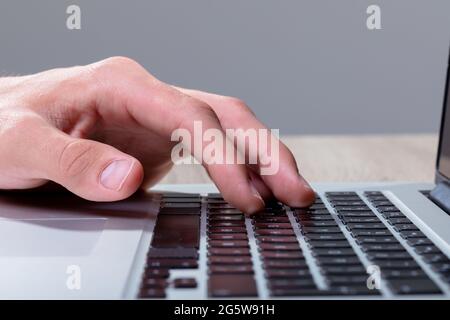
[[50, 237]]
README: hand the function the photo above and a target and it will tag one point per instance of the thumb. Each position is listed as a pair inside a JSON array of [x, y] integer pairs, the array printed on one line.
[[90, 169]]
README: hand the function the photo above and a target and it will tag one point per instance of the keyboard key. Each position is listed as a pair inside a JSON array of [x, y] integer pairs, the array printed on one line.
[[288, 273], [228, 243], [229, 260], [270, 225], [404, 274], [285, 264], [180, 253], [346, 280], [291, 284], [360, 219], [371, 233], [419, 242], [318, 223], [280, 247], [416, 286], [398, 265], [329, 244], [221, 286], [366, 226], [353, 260], [185, 283], [230, 269], [172, 263], [412, 234], [382, 247], [406, 227], [226, 224], [152, 293], [325, 237], [156, 273], [228, 236], [320, 230], [229, 251], [427, 249], [434, 257], [173, 231], [227, 230], [288, 239], [377, 240], [388, 255], [281, 254], [333, 252], [275, 232], [344, 270], [154, 283]]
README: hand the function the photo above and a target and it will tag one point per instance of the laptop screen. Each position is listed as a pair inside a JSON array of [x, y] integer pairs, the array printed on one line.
[[444, 144]]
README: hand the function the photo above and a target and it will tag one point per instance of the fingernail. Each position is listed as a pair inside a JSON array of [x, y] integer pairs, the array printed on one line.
[[255, 193], [115, 174]]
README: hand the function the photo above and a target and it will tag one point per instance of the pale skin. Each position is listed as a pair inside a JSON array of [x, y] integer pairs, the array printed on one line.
[[103, 131]]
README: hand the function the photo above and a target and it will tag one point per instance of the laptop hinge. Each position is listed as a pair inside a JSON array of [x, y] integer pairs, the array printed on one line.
[[441, 195]]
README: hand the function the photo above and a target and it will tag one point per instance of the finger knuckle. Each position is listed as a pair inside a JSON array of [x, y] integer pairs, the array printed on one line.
[[75, 158], [239, 105]]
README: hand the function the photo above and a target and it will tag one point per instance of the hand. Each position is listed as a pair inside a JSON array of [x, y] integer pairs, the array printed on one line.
[[103, 130]]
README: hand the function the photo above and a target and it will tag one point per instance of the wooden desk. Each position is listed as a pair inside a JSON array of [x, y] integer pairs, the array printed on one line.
[[345, 158]]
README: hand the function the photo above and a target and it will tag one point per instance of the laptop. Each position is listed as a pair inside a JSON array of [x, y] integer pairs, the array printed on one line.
[[363, 241]]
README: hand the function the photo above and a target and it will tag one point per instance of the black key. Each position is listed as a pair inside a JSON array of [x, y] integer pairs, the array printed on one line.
[[230, 269], [275, 232], [271, 219], [333, 252], [427, 249], [308, 217], [392, 215], [366, 226], [348, 198], [329, 244], [152, 293], [284, 264], [169, 196], [395, 221], [154, 283], [382, 203], [156, 273], [228, 236], [371, 233], [221, 286], [179, 211], [216, 211], [356, 214], [404, 274], [185, 283], [229, 251], [180, 253], [435, 257], [279, 246], [398, 265], [228, 243], [278, 239], [414, 286], [270, 225], [406, 227], [318, 223], [441, 267], [341, 209], [373, 219], [353, 260], [233, 217], [219, 224], [344, 270], [356, 290], [382, 247], [229, 260], [173, 231], [281, 254], [288, 273], [388, 255], [347, 280], [348, 203], [172, 263], [377, 240], [419, 242], [331, 194], [227, 230], [320, 230], [387, 209], [325, 237], [275, 284], [412, 234]]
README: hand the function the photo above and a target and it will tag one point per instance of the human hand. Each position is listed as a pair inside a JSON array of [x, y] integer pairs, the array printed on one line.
[[103, 130]]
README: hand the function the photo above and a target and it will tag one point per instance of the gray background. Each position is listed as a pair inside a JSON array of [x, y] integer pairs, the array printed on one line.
[[303, 66]]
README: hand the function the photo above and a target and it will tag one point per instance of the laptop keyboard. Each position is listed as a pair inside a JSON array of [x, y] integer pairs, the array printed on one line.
[[339, 247]]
